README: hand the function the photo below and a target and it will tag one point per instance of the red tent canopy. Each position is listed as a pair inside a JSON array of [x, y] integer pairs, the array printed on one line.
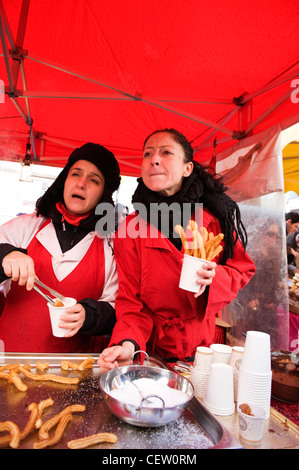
[[112, 72]]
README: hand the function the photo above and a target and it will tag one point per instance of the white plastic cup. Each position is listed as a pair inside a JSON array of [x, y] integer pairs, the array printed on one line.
[[257, 353], [251, 428], [189, 276], [219, 397], [55, 314], [221, 353], [203, 359]]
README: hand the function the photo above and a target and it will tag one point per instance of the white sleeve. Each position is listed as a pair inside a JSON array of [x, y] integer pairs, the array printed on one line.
[[20, 230]]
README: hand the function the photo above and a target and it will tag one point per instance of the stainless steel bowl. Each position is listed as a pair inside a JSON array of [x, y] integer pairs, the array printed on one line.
[[142, 415]]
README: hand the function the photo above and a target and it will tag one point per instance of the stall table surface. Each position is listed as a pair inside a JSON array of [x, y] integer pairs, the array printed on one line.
[[197, 428]]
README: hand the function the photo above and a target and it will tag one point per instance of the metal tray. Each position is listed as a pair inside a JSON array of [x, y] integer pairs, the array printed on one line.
[[195, 429]]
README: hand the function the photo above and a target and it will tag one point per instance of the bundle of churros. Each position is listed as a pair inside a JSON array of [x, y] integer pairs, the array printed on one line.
[[203, 245]]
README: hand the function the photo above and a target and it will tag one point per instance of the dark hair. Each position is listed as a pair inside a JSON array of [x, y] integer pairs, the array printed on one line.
[[179, 138], [294, 216]]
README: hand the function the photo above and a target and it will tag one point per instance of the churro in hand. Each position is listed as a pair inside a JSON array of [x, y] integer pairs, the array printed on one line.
[[204, 245]]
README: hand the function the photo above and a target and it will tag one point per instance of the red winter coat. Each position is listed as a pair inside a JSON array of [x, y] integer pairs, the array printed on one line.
[[151, 309]]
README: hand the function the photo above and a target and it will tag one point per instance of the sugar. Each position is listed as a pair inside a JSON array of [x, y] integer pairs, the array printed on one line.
[[130, 395]]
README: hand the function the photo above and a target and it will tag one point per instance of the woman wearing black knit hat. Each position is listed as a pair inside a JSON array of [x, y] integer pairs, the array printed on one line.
[[153, 313], [60, 245]]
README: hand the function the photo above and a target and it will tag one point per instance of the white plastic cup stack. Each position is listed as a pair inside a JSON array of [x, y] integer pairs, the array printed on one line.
[[188, 277], [200, 370], [219, 398], [221, 352], [55, 314], [255, 375], [235, 361]]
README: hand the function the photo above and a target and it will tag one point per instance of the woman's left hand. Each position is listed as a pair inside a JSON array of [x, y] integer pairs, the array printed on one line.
[[205, 276], [73, 319]]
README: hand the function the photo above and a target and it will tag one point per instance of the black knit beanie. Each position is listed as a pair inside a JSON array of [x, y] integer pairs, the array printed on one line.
[[101, 157]]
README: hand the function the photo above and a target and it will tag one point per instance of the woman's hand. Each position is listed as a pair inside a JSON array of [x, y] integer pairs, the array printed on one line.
[[205, 276], [20, 267], [73, 319], [116, 355]]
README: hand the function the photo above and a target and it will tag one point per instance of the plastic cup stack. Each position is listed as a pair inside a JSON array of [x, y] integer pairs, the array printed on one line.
[[219, 398], [255, 375], [235, 361], [200, 370], [221, 353]]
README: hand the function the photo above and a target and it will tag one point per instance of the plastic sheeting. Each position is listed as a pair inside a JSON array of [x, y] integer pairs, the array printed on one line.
[[263, 304]]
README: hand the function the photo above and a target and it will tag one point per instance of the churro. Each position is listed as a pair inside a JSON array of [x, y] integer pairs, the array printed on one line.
[[204, 245], [86, 364], [245, 408], [42, 365], [49, 377], [212, 244], [179, 229], [5, 440], [91, 440], [33, 408], [4, 375], [14, 378], [41, 407], [43, 432], [197, 240], [50, 441], [14, 432], [9, 367]]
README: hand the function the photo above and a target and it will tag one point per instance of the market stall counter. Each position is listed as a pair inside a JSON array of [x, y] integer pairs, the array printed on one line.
[[68, 388], [74, 389]]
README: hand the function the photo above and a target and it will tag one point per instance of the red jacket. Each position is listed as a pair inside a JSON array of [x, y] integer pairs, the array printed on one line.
[[151, 309]]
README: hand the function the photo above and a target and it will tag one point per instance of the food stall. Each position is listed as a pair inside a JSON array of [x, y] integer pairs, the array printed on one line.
[[125, 97]]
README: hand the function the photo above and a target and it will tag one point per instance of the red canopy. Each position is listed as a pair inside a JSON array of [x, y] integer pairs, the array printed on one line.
[[112, 72]]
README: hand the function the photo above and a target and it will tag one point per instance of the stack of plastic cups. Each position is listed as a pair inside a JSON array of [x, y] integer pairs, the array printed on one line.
[[200, 370], [255, 375], [221, 352], [219, 398], [235, 361]]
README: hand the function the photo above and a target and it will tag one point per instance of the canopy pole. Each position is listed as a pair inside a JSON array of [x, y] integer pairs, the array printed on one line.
[[279, 81], [270, 110], [139, 97], [17, 54], [6, 56], [224, 120]]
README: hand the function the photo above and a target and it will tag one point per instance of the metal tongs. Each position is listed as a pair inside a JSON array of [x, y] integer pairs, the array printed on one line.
[[45, 296]]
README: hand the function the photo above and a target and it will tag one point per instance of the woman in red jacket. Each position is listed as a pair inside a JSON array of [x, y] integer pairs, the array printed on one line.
[[152, 312]]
